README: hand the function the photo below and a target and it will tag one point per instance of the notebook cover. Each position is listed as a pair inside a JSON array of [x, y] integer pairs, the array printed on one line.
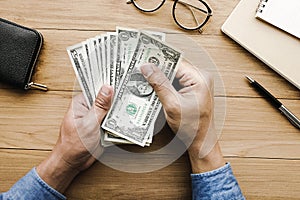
[[278, 50]]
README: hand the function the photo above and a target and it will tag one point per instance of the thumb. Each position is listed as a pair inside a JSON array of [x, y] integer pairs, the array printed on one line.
[[102, 102], [161, 85], [90, 123]]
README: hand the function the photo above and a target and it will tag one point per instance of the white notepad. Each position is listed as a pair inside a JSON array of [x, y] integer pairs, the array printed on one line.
[[284, 14]]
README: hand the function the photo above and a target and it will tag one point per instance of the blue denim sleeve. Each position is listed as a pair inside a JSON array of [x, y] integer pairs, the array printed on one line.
[[31, 187], [216, 185]]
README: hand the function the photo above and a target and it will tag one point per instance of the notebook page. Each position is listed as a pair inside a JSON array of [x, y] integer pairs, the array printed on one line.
[[284, 14]]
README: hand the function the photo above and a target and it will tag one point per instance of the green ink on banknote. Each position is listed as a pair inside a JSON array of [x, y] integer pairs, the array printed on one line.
[[131, 109]]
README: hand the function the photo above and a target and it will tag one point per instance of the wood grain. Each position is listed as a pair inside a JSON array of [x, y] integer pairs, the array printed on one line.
[[102, 15], [233, 63], [256, 131], [267, 179]]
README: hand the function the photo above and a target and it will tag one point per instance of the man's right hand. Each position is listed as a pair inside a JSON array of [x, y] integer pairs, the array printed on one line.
[[189, 112]]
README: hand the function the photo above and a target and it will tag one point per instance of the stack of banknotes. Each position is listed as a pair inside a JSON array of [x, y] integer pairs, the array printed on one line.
[[114, 58]]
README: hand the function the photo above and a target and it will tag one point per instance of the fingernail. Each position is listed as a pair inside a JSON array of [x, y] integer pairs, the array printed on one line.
[[105, 90], [147, 70]]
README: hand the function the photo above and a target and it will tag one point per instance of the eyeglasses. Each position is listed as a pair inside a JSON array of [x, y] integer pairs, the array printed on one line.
[[188, 14]]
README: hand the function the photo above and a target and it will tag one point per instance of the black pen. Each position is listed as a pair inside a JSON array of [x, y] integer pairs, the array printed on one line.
[[291, 117]]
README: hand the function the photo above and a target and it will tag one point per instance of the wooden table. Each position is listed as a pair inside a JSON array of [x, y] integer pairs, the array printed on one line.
[[262, 146]]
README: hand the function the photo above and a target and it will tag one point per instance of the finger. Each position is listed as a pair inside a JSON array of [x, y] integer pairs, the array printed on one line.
[[99, 109], [187, 74], [187, 79], [80, 101], [102, 102], [183, 67], [78, 107], [207, 79], [161, 85], [180, 72]]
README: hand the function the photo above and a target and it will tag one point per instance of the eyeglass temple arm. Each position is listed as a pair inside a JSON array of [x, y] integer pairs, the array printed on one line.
[[195, 18], [128, 2]]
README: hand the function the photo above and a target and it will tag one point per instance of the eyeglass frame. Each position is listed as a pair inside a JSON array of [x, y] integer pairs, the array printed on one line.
[[208, 12]]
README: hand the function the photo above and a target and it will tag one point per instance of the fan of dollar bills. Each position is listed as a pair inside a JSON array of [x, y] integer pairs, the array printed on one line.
[[115, 58]]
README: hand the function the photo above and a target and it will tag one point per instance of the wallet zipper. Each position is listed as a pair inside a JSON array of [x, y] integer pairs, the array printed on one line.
[[33, 85], [37, 86]]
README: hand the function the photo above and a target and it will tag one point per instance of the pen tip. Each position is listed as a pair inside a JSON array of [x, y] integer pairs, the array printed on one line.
[[249, 79]]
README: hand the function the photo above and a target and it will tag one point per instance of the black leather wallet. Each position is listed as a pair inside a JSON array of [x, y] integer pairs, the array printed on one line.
[[19, 50]]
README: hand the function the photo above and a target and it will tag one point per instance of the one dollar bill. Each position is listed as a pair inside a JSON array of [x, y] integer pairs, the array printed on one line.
[[136, 105]]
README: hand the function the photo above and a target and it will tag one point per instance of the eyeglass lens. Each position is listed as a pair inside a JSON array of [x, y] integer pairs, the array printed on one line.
[[188, 14], [148, 5], [191, 14]]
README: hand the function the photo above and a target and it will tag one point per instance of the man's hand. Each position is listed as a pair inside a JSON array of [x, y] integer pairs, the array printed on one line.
[[79, 141], [189, 113]]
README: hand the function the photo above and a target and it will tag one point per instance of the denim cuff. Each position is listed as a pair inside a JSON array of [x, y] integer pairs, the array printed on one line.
[[217, 184], [32, 187], [214, 172]]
